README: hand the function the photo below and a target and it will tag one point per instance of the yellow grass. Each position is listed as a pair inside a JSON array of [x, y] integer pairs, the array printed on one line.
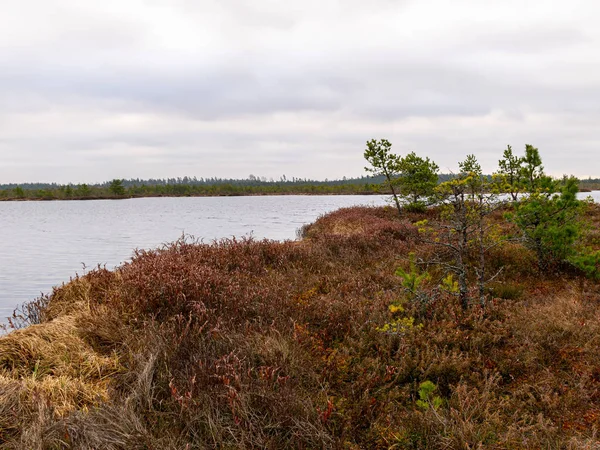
[[52, 363]]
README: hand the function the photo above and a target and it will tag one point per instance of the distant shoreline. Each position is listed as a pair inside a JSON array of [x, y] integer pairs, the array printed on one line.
[[270, 194], [237, 194]]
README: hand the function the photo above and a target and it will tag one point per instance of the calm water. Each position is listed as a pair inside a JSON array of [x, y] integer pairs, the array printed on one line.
[[45, 243]]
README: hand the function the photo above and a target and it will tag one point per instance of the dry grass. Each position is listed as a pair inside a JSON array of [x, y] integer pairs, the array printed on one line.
[[258, 344]]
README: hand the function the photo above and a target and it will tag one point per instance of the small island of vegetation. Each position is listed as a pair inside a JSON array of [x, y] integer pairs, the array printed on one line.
[[464, 316]]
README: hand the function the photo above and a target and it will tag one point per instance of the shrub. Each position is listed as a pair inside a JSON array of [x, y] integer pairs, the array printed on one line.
[[426, 397]]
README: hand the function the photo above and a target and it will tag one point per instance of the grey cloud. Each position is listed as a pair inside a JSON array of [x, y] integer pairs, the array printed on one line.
[[386, 88], [288, 86], [528, 40]]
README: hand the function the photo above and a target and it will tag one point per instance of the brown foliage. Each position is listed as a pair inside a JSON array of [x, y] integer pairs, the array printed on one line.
[[261, 344]]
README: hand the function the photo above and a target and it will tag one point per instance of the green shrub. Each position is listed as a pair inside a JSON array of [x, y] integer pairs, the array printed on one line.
[[426, 397]]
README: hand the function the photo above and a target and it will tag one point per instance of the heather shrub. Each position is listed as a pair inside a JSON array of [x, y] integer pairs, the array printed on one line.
[[507, 290], [29, 313], [261, 344], [361, 220]]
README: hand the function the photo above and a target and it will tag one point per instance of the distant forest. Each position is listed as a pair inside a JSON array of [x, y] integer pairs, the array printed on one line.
[[192, 186], [252, 180]]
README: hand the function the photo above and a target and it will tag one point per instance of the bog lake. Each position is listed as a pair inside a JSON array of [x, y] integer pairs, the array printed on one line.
[[45, 243]]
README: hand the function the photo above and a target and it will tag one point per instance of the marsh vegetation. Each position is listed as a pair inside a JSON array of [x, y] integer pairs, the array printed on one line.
[[309, 344], [470, 324]]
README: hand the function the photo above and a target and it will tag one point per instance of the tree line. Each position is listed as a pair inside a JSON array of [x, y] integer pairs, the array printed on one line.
[[192, 186], [375, 183], [188, 186]]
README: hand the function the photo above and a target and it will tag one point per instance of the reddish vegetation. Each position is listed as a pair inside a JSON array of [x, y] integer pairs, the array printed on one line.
[[247, 344]]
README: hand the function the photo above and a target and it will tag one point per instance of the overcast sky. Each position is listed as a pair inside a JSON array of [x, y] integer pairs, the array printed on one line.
[[95, 90]]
